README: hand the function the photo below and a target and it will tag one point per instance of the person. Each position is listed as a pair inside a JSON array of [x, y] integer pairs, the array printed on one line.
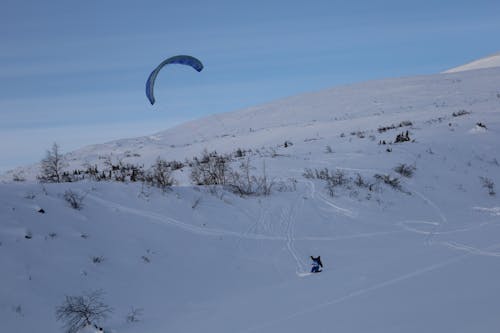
[[316, 264]]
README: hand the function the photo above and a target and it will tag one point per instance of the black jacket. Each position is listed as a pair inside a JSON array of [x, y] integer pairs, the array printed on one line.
[[317, 261]]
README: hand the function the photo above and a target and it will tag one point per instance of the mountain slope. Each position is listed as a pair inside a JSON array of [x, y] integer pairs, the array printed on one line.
[[419, 255], [359, 107], [486, 62]]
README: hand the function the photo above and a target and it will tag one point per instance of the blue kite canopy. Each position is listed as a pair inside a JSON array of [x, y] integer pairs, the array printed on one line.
[[179, 59]]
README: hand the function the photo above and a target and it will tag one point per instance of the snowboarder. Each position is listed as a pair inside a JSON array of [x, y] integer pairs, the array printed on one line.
[[316, 265]]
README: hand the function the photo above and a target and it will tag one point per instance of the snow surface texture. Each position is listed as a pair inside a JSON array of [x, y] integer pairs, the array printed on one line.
[[486, 62], [422, 258]]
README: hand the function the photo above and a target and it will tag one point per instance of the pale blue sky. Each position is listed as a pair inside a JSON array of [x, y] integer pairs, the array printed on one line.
[[74, 71]]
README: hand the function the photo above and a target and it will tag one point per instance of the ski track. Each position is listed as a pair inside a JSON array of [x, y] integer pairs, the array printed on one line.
[[470, 249], [220, 232], [182, 225], [288, 219], [377, 286], [405, 225], [443, 218]]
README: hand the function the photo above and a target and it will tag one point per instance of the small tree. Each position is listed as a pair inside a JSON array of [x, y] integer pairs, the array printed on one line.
[[79, 311], [51, 167]]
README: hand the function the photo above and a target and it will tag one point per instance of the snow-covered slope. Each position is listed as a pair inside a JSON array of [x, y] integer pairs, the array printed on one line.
[[422, 257], [358, 107], [486, 62]]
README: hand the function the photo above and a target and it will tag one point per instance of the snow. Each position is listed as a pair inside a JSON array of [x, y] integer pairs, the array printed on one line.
[[486, 62], [425, 258]]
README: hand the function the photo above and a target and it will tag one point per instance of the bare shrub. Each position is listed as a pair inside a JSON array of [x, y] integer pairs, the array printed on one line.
[[97, 259], [210, 169], [239, 153], [480, 124], [77, 312], [160, 174], [402, 137], [288, 185], [52, 235], [18, 177], [359, 181], [18, 309], [405, 170], [338, 178], [75, 200], [244, 182], [175, 165], [460, 113], [333, 179], [134, 315], [488, 184], [404, 123], [393, 182]]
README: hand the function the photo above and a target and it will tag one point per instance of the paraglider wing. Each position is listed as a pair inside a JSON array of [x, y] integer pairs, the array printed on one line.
[[180, 59]]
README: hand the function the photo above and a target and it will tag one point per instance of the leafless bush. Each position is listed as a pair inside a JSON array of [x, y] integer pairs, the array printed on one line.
[[77, 312], [359, 181], [18, 177], [244, 182], [134, 315], [288, 185], [175, 165], [404, 123], [488, 184], [333, 179], [402, 137], [239, 153], [394, 182], [75, 200], [52, 235], [160, 174], [480, 124], [405, 170], [460, 113], [18, 309], [97, 259], [210, 169], [338, 178]]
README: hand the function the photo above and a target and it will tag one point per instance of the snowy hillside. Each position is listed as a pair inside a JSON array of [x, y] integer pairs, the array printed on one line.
[[405, 249], [324, 114], [486, 62]]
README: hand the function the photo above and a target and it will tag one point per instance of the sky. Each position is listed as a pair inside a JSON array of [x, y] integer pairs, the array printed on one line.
[[74, 72]]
